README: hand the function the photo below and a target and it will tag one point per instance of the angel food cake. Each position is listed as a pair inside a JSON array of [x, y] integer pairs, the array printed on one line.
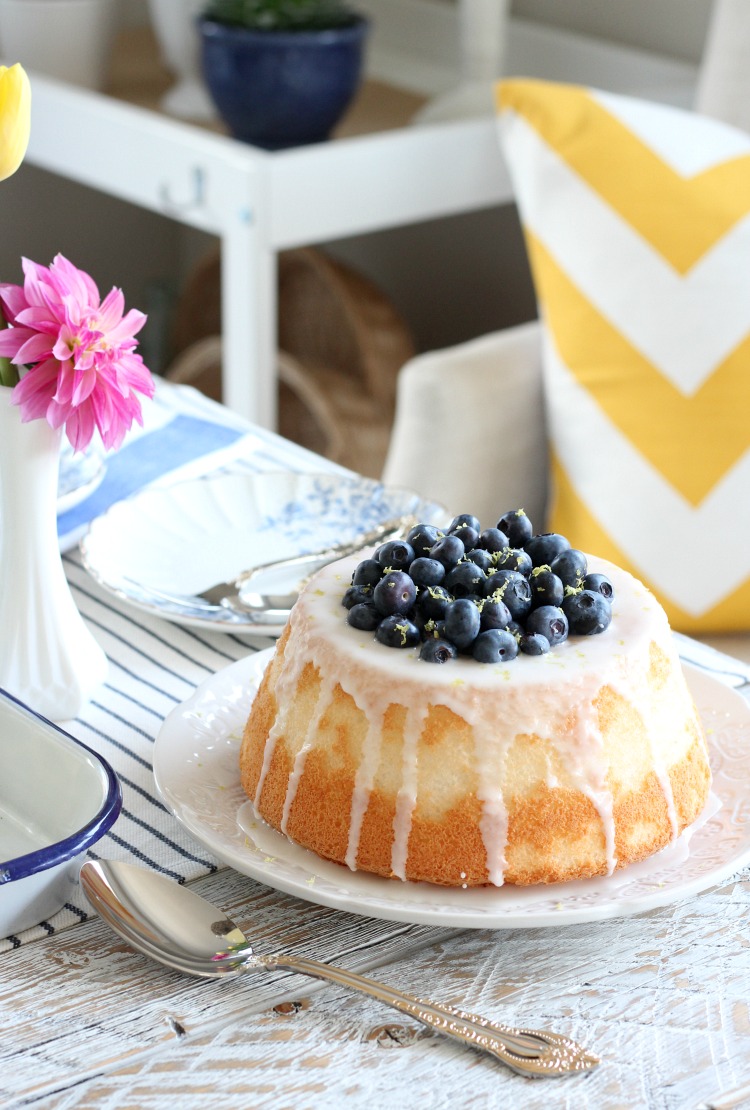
[[529, 723]]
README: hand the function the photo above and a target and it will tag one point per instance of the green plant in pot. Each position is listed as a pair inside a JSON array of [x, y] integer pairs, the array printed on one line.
[[282, 15], [281, 72]]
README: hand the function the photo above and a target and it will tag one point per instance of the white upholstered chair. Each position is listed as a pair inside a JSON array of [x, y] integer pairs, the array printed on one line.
[[469, 428]]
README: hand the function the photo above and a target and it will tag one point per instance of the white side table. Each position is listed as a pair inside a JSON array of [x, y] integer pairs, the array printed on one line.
[[259, 203]]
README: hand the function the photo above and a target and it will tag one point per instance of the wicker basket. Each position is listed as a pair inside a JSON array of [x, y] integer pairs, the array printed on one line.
[[341, 345], [331, 316]]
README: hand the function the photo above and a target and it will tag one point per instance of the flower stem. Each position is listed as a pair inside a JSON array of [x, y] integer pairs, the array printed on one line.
[[8, 372]]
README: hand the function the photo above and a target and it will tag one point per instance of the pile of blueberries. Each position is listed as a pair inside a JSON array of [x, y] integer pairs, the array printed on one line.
[[489, 594]]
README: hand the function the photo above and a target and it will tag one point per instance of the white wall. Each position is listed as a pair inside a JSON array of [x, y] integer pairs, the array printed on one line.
[[451, 279], [676, 27]]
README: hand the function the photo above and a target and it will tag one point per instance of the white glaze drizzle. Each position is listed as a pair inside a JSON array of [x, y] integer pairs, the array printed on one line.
[[665, 782], [268, 749], [406, 798], [654, 724], [544, 694], [325, 691], [286, 684], [666, 788], [293, 783], [363, 784], [589, 770]]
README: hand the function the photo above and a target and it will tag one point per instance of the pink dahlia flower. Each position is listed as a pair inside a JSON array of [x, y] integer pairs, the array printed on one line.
[[79, 353]]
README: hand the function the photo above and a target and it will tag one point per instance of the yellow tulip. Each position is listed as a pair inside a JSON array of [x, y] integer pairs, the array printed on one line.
[[15, 118]]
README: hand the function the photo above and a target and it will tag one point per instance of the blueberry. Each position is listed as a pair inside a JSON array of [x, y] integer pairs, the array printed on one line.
[[550, 621], [516, 629], [364, 616], [356, 595], [367, 573], [513, 558], [433, 602], [492, 539], [512, 588], [422, 537], [449, 550], [588, 613], [462, 622], [438, 631], [599, 584], [481, 557], [497, 580], [494, 646], [394, 593], [397, 631], [395, 554], [426, 572], [570, 566], [464, 579], [464, 520], [546, 587], [517, 527], [421, 621], [494, 614], [533, 643], [469, 537], [545, 547], [437, 651]]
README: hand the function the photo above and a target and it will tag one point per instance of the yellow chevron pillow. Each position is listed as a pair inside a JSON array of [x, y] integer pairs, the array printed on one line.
[[637, 223]]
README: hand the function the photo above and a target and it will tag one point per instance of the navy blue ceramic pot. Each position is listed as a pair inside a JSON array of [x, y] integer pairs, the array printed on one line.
[[278, 89]]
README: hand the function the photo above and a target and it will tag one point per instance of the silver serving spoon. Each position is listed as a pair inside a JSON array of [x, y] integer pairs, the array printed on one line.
[[239, 593], [242, 594], [177, 927]]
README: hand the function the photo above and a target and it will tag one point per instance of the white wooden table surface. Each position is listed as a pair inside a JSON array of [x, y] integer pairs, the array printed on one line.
[[663, 997]]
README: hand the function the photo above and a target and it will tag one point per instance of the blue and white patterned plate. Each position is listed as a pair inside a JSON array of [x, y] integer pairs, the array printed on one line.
[[80, 473], [182, 539]]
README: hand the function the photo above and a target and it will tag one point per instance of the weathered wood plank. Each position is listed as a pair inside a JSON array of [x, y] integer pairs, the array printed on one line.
[[663, 998], [80, 1003]]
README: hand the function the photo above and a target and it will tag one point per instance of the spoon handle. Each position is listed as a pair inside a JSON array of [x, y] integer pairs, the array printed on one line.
[[385, 531], [529, 1052]]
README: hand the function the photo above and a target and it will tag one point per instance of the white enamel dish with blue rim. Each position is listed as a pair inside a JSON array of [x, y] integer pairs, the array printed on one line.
[[181, 539], [57, 799]]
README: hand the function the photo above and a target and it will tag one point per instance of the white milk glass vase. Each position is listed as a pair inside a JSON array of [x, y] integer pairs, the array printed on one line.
[[174, 25], [48, 657]]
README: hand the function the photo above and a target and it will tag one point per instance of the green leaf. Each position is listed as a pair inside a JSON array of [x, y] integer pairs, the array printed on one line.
[[8, 372], [281, 15]]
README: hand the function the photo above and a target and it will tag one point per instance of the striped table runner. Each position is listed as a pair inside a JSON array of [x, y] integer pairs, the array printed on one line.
[[155, 665]]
